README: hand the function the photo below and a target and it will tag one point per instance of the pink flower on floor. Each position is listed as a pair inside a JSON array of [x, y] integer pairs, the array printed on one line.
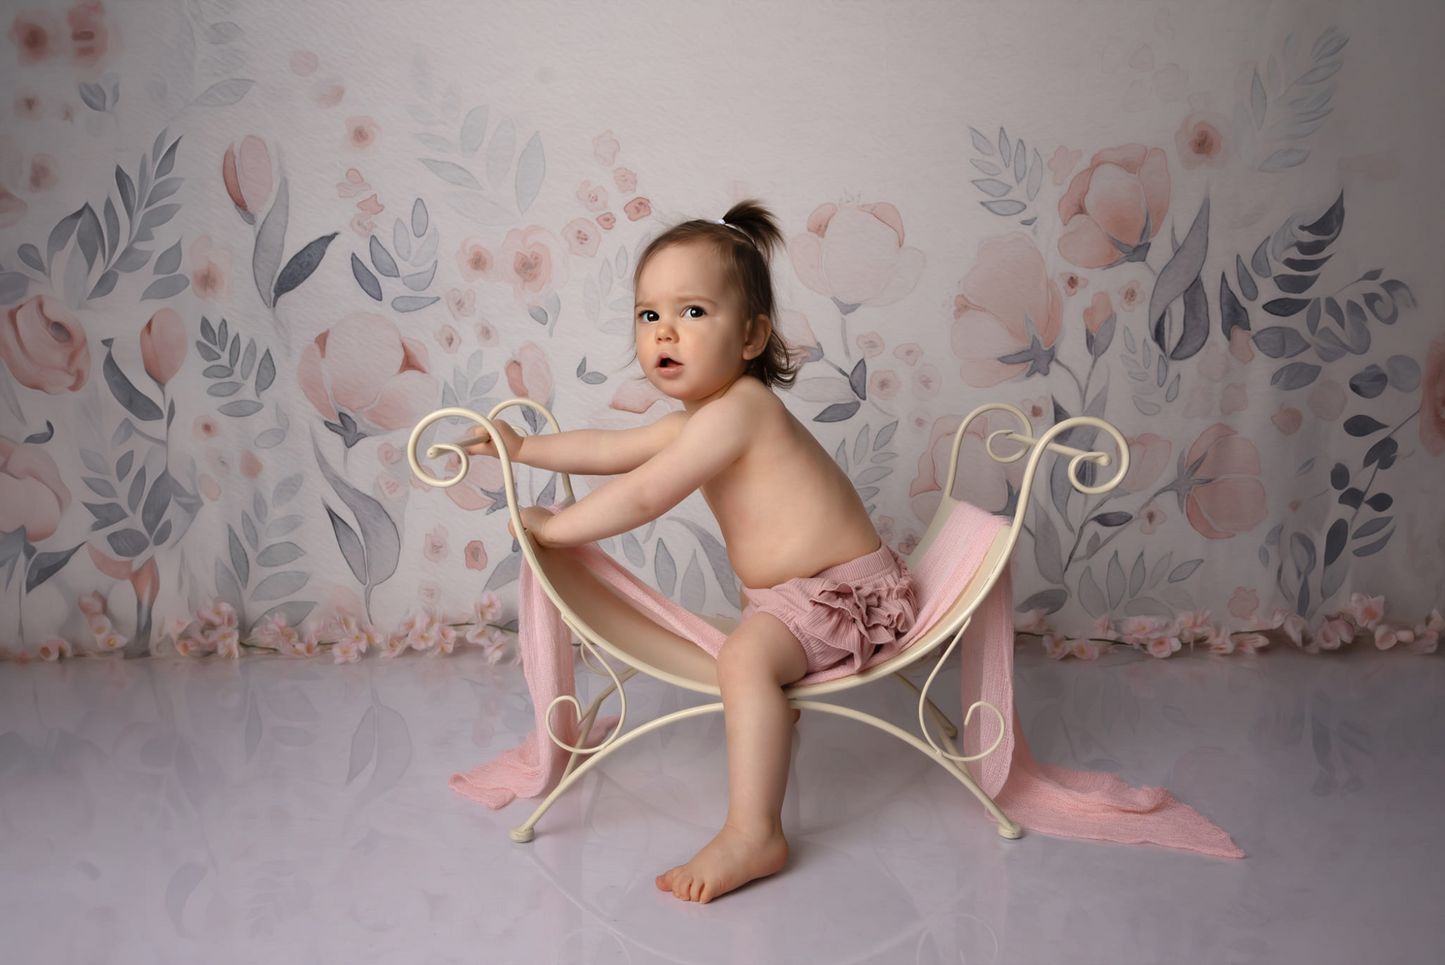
[[434, 546], [1114, 206], [494, 647], [218, 613], [1250, 643], [53, 649], [111, 642], [361, 133], [1085, 649], [605, 147], [1334, 633], [487, 608], [396, 645], [1385, 636], [92, 604], [345, 651], [1366, 611], [1056, 647], [370, 369], [1163, 646], [594, 196], [1193, 625], [1008, 313], [1103, 629], [1031, 622], [446, 637], [1293, 625], [228, 644], [1426, 640], [856, 255], [1139, 630]]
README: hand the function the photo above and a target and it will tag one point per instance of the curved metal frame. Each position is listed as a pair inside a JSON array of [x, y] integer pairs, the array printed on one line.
[[950, 627]]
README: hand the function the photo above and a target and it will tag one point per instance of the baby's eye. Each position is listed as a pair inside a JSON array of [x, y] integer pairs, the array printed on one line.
[[694, 311], [646, 315]]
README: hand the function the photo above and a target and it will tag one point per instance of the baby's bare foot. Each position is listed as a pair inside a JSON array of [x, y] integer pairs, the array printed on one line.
[[729, 860]]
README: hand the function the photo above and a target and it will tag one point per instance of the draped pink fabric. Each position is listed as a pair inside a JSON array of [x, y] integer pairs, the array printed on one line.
[[1041, 797]]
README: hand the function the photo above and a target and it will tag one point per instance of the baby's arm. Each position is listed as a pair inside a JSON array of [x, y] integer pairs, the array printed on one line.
[[589, 452], [710, 440]]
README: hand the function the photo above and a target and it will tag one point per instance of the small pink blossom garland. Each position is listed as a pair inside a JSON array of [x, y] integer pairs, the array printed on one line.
[[1160, 637], [216, 629]]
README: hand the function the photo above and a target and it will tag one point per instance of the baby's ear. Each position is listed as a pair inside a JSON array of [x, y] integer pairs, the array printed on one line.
[[760, 329]]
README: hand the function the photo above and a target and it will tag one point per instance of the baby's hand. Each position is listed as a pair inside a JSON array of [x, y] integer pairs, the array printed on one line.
[[486, 446], [534, 521]]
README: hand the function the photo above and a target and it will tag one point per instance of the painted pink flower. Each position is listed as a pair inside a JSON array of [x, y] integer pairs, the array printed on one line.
[[44, 346], [247, 174], [462, 304], [1287, 420], [883, 384], [1148, 456], [870, 344], [328, 93], [529, 374], [36, 36], [637, 396], [1100, 310], [210, 270], [605, 147], [607, 220], [1239, 345], [364, 365], [855, 254], [487, 334], [625, 180], [1217, 488], [353, 185], [1244, 602], [909, 352], [637, 209], [390, 487], [434, 545], [473, 259], [370, 206], [1432, 400], [529, 261], [594, 196], [1199, 141], [1151, 517], [981, 480], [1008, 313], [1114, 206], [448, 339], [205, 427], [1327, 400], [1062, 163], [1131, 296], [303, 63], [89, 37], [361, 133], [27, 105], [1073, 282], [163, 345], [476, 555], [42, 172], [362, 225], [581, 237]]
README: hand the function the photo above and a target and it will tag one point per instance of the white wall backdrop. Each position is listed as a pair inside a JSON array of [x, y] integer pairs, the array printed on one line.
[[247, 245]]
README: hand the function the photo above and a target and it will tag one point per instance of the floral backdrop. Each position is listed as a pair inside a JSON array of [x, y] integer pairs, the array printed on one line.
[[244, 251]]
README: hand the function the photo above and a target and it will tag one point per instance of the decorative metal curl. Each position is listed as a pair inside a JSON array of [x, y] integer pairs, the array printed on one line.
[[577, 707], [967, 717]]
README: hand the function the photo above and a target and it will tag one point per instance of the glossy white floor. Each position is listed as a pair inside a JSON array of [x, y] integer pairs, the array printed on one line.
[[194, 811]]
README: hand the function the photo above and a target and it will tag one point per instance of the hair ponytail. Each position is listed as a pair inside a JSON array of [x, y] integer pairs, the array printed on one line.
[[745, 238]]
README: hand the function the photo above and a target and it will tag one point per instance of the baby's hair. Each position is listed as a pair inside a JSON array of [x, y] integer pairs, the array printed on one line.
[[744, 239]]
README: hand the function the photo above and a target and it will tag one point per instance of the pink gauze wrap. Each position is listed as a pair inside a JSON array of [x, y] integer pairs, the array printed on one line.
[[1041, 797]]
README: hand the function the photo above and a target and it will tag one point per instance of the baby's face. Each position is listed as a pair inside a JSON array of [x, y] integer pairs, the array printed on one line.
[[690, 325]]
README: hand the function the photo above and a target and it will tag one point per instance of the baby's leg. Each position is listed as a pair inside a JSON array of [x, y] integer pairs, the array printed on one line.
[[757, 661]]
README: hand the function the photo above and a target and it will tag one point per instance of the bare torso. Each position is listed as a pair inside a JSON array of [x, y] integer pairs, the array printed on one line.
[[785, 508]]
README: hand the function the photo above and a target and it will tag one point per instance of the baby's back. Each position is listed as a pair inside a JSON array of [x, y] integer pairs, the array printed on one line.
[[785, 507]]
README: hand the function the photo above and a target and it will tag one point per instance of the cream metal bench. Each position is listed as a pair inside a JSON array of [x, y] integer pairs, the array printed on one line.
[[945, 633]]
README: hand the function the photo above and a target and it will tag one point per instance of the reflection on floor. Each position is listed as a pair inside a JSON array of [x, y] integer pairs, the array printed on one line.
[[184, 811]]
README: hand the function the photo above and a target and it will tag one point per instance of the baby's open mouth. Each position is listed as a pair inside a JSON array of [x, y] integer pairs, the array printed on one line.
[[666, 363]]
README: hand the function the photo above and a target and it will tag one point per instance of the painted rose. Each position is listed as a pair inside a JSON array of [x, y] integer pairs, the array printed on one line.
[[1100, 310], [1062, 163], [163, 345], [361, 133], [582, 237], [480, 488], [594, 196], [1073, 282], [870, 344], [364, 365], [607, 220], [36, 36], [909, 353], [448, 339], [637, 209], [210, 270], [625, 180], [1008, 313], [462, 304], [1114, 206], [476, 555], [855, 254], [44, 346], [1432, 400], [605, 147], [247, 174], [884, 384], [32, 494], [529, 375], [1148, 455], [981, 480], [42, 172], [434, 544], [474, 260], [1199, 141], [89, 35], [529, 261], [1132, 295], [1221, 495], [487, 334]]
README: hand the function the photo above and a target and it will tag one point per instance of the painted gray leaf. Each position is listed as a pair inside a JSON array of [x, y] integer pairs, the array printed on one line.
[[531, 170], [164, 189], [239, 561], [248, 530], [178, 891], [128, 543], [633, 550], [1284, 159], [1047, 601], [1179, 274], [381, 259], [1114, 579], [499, 152], [993, 187], [694, 591], [224, 93], [413, 303], [1280, 341], [452, 173], [157, 501], [350, 544], [421, 280], [112, 229], [474, 130], [435, 143], [106, 514], [271, 243], [363, 744], [1048, 554], [100, 487], [279, 585], [89, 235], [980, 143], [419, 218], [505, 572], [664, 569], [241, 408], [125, 392], [987, 167], [365, 278], [393, 752], [302, 265], [279, 554], [400, 239], [282, 525], [717, 559], [1403, 372], [1295, 375], [1090, 596], [1006, 208], [378, 531], [167, 287]]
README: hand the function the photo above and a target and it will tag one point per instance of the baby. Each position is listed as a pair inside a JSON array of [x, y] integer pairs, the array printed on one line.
[[819, 587]]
